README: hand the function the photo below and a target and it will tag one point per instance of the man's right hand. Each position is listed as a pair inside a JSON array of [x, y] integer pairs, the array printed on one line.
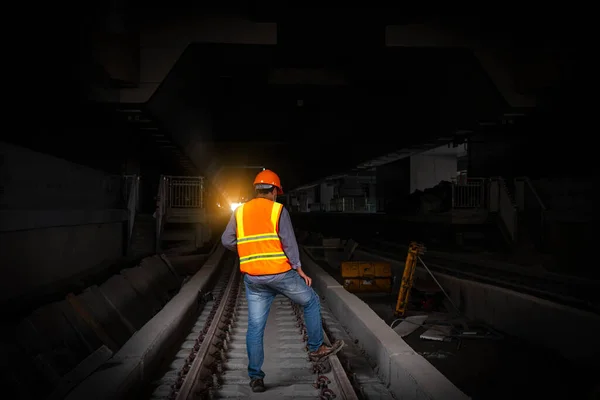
[[304, 276]]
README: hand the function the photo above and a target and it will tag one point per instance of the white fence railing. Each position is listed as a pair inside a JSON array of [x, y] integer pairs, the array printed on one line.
[[492, 195], [469, 193], [351, 204], [186, 192], [177, 192]]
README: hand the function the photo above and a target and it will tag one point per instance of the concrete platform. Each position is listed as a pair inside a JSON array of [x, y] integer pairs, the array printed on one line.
[[134, 363], [409, 375]]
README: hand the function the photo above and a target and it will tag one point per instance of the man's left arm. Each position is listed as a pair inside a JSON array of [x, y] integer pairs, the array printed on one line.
[[288, 239], [229, 237]]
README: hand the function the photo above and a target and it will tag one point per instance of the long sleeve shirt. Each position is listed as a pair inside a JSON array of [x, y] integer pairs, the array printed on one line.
[[286, 235]]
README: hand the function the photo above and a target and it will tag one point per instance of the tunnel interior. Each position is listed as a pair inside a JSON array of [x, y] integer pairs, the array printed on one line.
[[139, 130]]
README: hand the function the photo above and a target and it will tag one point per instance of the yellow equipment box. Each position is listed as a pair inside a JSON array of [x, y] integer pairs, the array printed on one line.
[[368, 285], [359, 269], [361, 276]]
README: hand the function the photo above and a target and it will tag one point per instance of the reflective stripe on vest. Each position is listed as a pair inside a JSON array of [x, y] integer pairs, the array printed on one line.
[[258, 244]]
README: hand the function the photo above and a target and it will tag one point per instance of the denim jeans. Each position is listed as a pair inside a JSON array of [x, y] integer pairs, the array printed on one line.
[[260, 297]]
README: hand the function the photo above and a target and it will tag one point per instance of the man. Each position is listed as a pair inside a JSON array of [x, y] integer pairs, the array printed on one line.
[[261, 232]]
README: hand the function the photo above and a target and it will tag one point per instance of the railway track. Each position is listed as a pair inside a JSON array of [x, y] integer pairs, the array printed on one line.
[[579, 293], [212, 360]]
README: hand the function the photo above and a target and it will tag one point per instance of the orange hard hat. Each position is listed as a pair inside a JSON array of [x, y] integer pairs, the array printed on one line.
[[268, 177]]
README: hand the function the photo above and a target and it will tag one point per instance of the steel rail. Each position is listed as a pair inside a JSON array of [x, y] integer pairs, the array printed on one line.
[[186, 391], [345, 386], [191, 385]]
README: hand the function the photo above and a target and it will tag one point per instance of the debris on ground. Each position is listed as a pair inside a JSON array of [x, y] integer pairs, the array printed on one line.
[[410, 324], [440, 354], [438, 333]]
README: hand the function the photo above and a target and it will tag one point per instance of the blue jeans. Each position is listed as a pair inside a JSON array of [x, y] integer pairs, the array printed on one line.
[[260, 297]]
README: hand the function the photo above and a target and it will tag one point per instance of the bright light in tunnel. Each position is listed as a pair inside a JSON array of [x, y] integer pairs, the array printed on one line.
[[235, 205]]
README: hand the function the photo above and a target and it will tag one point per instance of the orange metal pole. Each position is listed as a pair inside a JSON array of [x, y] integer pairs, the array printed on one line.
[[414, 250]]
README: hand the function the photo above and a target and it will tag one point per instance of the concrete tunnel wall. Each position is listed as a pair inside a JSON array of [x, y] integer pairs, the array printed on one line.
[[57, 220]]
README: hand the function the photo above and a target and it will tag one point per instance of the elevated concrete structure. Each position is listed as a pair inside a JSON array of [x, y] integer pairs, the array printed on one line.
[[492, 55], [134, 364], [57, 220]]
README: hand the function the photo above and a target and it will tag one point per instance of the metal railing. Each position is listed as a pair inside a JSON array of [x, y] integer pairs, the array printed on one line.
[[533, 210], [351, 204], [177, 192], [162, 201], [131, 192], [507, 211], [186, 192], [468, 193]]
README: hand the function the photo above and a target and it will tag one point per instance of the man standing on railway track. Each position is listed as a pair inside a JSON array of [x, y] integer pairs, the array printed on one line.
[[261, 233]]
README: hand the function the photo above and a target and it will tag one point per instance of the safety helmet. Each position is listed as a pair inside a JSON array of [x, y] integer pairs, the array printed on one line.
[[267, 178]]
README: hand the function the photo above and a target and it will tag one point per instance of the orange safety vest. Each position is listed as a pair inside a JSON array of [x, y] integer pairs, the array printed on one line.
[[258, 244]]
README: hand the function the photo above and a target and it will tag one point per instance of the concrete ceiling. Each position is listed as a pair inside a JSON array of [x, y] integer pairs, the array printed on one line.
[[435, 76], [447, 151], [305, 129]]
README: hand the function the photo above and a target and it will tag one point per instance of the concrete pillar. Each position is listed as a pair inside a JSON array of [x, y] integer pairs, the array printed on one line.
[[372, 195], [310, 198], [393, 184], [326, 194], [520, 195], [494, 192], [426, 171]]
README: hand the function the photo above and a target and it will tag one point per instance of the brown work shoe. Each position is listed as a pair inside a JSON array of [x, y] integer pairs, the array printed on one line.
[[257, 385], [325, 351]]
